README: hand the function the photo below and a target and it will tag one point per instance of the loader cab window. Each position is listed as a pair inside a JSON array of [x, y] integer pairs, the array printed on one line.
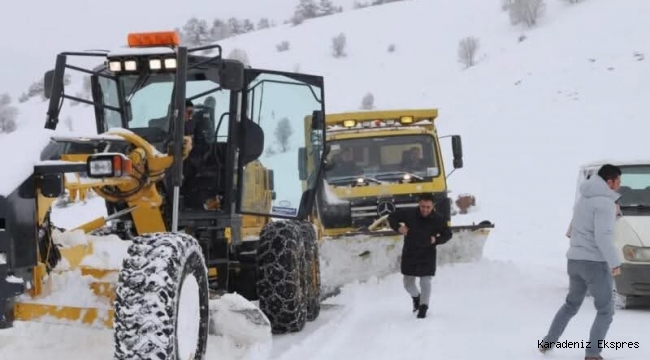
[[110, 96], [149, 99], [635, 187], [386, 159]]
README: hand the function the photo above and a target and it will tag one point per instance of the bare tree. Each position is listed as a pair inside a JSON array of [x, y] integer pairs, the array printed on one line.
[[338, 45], [8, 114], [282, 133], [467, 49], [368, 102], [526, 11]]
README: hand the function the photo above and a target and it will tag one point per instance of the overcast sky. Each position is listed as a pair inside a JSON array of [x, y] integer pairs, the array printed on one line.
[[34, 31]]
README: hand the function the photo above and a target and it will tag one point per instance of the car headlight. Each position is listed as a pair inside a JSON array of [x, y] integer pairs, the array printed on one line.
[[636, 253]]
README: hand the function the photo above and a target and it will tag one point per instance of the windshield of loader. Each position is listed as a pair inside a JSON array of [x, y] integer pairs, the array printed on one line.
[[150, 101], [635, 186], [386, 158]]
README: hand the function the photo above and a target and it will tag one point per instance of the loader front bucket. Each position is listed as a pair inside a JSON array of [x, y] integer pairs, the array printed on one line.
[[365, 254]]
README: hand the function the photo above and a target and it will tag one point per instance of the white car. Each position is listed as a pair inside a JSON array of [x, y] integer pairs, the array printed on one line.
[[632, 230]]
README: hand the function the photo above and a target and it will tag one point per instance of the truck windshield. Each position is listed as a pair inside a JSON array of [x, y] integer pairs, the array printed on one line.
[[635, 186], [384, 158]]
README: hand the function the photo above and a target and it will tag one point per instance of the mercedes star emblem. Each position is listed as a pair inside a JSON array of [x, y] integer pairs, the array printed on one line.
[[385, 208]]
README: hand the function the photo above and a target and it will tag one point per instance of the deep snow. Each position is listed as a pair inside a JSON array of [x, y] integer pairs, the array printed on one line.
[[530, 113]]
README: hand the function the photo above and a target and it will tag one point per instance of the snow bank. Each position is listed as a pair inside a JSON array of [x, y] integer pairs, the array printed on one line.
[[242, 327]]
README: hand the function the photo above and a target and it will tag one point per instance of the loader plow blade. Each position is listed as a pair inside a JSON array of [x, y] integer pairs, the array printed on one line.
[[363, 255]]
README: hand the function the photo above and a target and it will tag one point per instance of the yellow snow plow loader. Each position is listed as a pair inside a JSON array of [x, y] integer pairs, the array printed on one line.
[[380, 161], [192, 210]]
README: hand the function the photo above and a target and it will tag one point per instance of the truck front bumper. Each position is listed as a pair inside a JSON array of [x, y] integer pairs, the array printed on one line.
[[634, 280]]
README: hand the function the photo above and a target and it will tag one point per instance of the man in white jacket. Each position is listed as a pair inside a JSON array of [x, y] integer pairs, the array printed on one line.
[[592, 260]]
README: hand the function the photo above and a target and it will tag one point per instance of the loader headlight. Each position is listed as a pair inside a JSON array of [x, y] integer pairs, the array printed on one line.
[[170, 63], [130, 65], [636, 253], [115, 66], [155, 64], [108, 165]]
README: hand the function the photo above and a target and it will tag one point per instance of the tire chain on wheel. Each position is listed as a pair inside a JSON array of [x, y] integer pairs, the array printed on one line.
[[311, 270], [280, 255], [147, 293]]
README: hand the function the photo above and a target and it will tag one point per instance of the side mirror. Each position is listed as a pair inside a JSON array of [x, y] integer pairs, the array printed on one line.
[[129, 112], [317, 120], [328, 166], [231, 75], [48, 79], [302, 163], [457, 149]]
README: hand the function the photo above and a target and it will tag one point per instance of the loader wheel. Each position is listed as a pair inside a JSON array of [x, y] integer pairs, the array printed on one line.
[[280, 255], [161, 304], [311, 271]]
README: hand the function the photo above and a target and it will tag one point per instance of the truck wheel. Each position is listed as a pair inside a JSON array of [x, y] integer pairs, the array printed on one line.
[[311, 271], [280, 254], [161, 303]]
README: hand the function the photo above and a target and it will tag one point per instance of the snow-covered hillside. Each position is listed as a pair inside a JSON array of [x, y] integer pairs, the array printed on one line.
[[571, 90]]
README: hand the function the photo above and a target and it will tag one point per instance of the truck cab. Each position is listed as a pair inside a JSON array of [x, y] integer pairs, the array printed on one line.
[[380, 161]]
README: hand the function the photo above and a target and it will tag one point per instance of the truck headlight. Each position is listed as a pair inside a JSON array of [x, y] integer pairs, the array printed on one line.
[[108, 165], [636, 253]]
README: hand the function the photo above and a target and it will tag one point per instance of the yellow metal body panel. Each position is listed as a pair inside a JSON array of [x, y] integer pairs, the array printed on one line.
[[147, 218], [87, 316]]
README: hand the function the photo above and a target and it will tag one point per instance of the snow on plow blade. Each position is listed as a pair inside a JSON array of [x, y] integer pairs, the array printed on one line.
[[367, 253]]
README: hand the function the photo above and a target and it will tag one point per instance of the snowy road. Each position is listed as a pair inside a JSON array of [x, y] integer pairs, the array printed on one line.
[[489, 308]]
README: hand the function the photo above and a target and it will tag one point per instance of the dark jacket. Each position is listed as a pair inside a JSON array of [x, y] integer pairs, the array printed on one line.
[[418, 254]]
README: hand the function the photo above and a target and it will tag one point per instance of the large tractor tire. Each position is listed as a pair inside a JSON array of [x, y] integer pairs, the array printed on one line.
[[161, 304], [280, 255], [311, 270]]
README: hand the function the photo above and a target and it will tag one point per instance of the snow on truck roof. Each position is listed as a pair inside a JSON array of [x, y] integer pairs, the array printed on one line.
[[616, 162]]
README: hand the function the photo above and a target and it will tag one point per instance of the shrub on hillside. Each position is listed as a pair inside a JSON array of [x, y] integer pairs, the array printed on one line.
[[309, 9], [283, 46], [339, 44], [8, 114], [240, 55], [525, 11], [368, 102], [467, 49]]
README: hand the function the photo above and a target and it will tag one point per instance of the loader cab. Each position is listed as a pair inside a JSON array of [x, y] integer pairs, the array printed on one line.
[[248, 120]]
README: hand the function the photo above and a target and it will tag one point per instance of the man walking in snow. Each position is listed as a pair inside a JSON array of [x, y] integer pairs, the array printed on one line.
[[592, 259], [423, 230]]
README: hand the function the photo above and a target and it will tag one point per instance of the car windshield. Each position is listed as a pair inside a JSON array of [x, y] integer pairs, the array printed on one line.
[[383, 158], [635, 186]]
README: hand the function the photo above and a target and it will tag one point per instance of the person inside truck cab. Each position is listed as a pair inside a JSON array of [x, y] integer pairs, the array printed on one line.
[[344, 164], [412, 160]]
